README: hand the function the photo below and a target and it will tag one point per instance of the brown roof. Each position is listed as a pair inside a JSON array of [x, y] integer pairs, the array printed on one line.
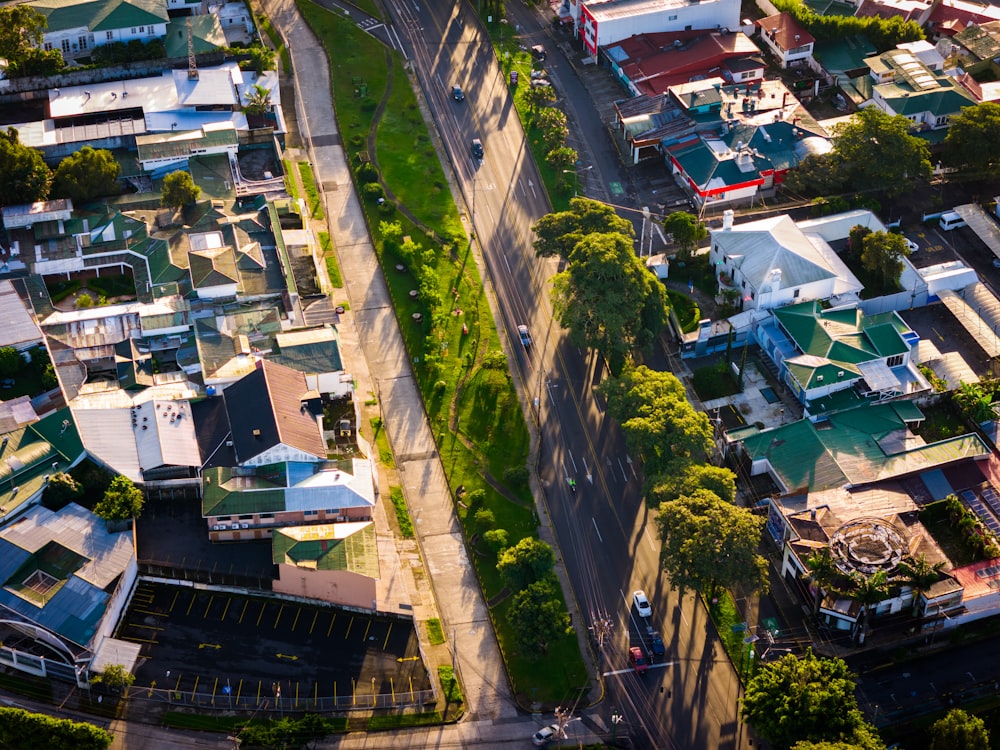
[[782, 29]]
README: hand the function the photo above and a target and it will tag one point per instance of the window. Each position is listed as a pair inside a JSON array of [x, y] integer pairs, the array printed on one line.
[[267, 516], [796, 295], [65, 45], [109, 35], [47, 46], [223, 518], [671, 18], [312, 513], [895, 361], [142, 29], [152, 31], [744, 284], [133, 29]]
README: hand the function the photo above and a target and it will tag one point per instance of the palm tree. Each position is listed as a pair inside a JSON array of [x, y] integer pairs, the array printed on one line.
[[258, 100], [920, 575], [868, 591], [821, 571]]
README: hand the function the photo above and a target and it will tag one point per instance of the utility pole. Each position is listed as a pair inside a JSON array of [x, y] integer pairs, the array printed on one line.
[[601, 629]]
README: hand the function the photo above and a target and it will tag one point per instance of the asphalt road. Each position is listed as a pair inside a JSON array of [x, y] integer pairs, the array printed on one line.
[[606, 535]]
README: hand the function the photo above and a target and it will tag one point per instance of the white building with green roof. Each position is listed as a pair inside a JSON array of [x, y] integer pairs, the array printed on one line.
[[76, 27]]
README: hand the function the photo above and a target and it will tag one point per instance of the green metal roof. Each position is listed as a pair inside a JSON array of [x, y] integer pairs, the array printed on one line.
[[206, 35], [946, 99], [842, 336], [224, 494], [343, 546], [101, 15], [812, 376]]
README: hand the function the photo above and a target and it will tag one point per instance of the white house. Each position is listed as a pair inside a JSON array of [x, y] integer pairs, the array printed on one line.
[[75, 27], [787, 40]]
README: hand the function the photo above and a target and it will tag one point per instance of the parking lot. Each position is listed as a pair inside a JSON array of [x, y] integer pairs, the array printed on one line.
[[247, 649]]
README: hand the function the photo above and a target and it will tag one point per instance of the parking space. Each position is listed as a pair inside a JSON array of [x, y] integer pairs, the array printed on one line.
[[256, 648]]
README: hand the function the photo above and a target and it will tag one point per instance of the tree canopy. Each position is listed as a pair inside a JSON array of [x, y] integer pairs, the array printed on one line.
[[716, 479], [608, 300], [179, 190], [882, 254], [86, 174], [809, 699], [122, 500], [876, 150], [972, 144], [24, 178], [20, 728], [537, 617], [558, 233], [687, 230], [527, 561], [709, 543], [659, 423], [61, 489], [22, 29], [959, 731]]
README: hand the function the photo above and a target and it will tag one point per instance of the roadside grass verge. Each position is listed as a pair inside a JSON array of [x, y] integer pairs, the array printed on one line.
[[313, 200], [725, 615], [290, 185], [277, 42], [332, 267], [382, 443], [449, 685], [402, 515], [398, 721], [434, 632], [447, 343]]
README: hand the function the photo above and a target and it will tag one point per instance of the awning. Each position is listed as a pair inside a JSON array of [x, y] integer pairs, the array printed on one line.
[[878, 376], [982, 224], [979, 312]]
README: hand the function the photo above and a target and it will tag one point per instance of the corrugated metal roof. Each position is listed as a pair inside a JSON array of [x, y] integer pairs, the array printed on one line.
[[350, 547]]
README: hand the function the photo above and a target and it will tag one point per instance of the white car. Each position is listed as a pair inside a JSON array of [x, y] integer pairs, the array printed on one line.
[[545, 735], [913, 246], [642, 605]]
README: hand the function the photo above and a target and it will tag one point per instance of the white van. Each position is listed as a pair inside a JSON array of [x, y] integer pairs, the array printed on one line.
[[951, 220]]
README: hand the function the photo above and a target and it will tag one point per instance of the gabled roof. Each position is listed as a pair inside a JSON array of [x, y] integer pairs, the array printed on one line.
[[350, 547], [100, 15], [843, 336], [266, 408], [213, 267], [782, 29]]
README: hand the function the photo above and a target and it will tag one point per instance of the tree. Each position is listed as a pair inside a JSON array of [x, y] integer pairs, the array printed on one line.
[[552, 123], [537, 617], [537, 97], [696, 476], [22, 28], [972, 144], [258, 100], [608, 300], [86, 174], [809, 699], [817, 174], [61, 489], [876, 150], [40, 62], [708, 543], [868, 591], [122, 500], [559, 232], [659, 423], [562, 157], [179, 190], [920, 575], [959, 731], [687, 231], [974, 402], [24, 178], [881, 254], [20, 728], [822, 572], [114, 677], [527, 561], [11, 362]]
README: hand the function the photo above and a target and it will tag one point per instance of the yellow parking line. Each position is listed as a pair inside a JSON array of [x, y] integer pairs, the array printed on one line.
[[176, 594], [349, 628], [214, 688], [208, 606], [178, 685], [194, 690], [239, 690], [296, 620], [365, 637], [316, 615], [278, 618], [193, 597], [332, 620], [146, 612], [226, 610], [137, 640], [261, 615], [147, 627], [386, 641], [246, 603]]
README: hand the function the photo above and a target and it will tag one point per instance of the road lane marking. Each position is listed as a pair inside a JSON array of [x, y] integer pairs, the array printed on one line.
[[597, 530], [629, 669]]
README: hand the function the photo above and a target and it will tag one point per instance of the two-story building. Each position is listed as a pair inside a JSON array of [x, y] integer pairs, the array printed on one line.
[[787, 40], [75, 28]]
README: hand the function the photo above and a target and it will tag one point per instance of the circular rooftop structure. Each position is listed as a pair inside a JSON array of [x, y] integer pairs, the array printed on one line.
[[867, 545]]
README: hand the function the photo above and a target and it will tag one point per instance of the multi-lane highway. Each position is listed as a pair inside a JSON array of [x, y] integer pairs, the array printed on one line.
[[606, 535]]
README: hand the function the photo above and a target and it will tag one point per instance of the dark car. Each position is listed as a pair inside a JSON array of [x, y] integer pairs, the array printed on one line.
[[477, 148], [656, 645], [457, 94]]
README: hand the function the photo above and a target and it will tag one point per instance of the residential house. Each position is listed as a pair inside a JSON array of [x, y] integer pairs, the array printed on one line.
[[601, 23], [787, 40], [75, 28], [773, 262], [333, 562]]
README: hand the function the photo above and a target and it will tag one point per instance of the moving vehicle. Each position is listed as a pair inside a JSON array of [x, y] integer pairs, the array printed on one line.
[[457, 94], [638, 660], [477, 149], [545, 735], [642, 605], [522, 333]]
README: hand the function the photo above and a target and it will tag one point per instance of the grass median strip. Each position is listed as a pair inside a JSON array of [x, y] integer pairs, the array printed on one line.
[[313, 200]]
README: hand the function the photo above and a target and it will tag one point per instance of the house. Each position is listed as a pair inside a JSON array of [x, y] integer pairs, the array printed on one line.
[[241, 503], [908, 81], [228, 346], [773, 262], [274, 416], [837, 357], [647, 64], [66, 581], [333, 562], [75, 27], [316, 353], [601, 23], [787, 39]]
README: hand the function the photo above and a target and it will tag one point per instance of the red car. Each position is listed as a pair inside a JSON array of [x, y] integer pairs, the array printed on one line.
[[637, 660]]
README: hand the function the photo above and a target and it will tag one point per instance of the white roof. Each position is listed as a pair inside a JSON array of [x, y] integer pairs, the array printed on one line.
[[878, 375], [212, 87]]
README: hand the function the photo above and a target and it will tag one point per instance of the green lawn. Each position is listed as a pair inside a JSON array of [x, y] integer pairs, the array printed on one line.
[[686, 309], [290, 184], [402, 513], [313, 200], [445, 359], [434, 632], [332, 268]]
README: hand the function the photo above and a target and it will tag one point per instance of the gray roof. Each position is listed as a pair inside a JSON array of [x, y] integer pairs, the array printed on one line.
[[17, 327]]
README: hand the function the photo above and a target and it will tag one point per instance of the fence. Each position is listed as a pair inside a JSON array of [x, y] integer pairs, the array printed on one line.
[[177, 574], [223, 697]]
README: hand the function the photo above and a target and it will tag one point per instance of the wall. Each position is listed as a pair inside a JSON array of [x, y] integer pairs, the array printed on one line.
[[334, 586]]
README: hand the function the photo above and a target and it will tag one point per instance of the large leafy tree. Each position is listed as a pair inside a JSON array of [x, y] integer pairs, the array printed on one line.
[[687, 231], [537, 617], [558, 233], [882, 253], [697, 476], [809, 699], [708, 543], [959, 731], [527, 561], [24, 178], [972, 145], [659, 423], [876, 150], [86, 174], [822, 571], [22, 29], [122, 500], [179, 190], [608, 300]]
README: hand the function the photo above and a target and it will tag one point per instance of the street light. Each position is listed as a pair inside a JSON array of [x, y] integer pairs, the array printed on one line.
[[576, 177]]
